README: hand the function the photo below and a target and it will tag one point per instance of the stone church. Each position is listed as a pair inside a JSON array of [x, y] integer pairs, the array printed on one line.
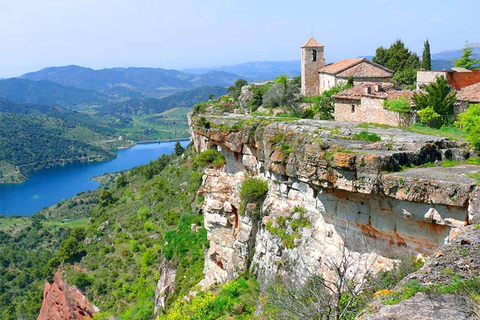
[[318, 77]]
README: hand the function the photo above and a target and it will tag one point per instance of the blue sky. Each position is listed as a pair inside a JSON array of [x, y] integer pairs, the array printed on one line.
[[185, 33]]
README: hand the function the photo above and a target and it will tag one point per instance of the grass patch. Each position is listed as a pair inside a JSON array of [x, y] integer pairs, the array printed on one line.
[[453, 133], [253, 190], [367, 136]]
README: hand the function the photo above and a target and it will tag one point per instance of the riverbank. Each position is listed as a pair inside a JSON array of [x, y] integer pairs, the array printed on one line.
[[49, 186]]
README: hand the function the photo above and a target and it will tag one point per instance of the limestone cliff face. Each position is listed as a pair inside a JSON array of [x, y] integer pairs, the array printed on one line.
[[326, 190], [61, 301]]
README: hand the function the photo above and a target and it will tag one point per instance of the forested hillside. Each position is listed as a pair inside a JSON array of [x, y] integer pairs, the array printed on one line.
[[33, 137], [48, 93], [184, 99], [146, 214]]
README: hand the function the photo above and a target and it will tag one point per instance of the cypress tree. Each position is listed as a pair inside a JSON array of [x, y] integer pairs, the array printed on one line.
[[426, 61]]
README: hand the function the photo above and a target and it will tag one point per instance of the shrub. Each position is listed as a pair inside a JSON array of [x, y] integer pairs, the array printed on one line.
[[148, 257], [171, 217], [81, 280], [253, 190], [470, 122], [143, 213], [206, 157], [429, 117], [400, 105]]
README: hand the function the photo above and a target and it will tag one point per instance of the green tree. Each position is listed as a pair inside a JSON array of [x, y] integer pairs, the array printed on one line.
[[122, 181], [283, 93], [211, 96], [235, 90], [426, 58], [441, 98], [179, 150], [396, 57], [406, 76], [467, 61], [469, 121]]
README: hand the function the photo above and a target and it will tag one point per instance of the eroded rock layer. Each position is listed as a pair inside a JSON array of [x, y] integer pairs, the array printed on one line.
[[326, 190], [64, 302]]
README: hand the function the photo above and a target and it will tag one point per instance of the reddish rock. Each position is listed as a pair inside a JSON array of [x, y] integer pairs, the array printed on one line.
[[62, 302]]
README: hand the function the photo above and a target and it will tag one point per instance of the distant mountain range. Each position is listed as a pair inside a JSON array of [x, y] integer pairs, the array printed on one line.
[[256, 71], [450, 55], [153, 82]]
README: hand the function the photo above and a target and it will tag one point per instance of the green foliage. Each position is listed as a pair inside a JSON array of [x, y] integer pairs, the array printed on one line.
[[236, 299], [81, 280], [429, 117], [171, 217], [282, 93], [207, 157], [178, 149], [439, 96], [148, 257], [253, 190], [143, 213], [367, 136], [106, 198], [324, 104], [204, 123], [467, 61], [405, 77], [397, 57], [258, 91], [235, 90], [400, 105], [469, 121], [73, 249], [122, 181], [426, 58]]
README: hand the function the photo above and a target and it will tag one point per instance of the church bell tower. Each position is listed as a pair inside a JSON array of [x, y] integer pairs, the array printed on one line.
[[312, 61]]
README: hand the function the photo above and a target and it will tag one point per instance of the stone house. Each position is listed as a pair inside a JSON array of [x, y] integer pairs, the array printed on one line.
[[458, 78], [360, 69], [318, 77], [364, 103], [465, 97]]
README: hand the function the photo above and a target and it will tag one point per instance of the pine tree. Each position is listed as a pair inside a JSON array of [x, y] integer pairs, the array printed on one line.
[[426, 60], [466, 61], [178, 148]]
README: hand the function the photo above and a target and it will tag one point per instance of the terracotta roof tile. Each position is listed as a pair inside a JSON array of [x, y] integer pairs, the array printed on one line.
[[387, 91], [341, 65], [366, 70], [312, 43], [470, 93]]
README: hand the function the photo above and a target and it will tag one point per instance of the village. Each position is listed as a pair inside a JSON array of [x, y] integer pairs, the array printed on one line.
[[359, 90]]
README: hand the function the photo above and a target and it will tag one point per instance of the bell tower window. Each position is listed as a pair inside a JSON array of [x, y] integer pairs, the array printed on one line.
[[314, 55]]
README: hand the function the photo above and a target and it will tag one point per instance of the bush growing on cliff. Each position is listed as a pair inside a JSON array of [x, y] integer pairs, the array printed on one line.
[[253, 190], [283, 93], [470, 123]]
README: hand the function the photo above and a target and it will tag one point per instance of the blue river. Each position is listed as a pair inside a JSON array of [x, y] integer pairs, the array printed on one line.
[[49, 186]]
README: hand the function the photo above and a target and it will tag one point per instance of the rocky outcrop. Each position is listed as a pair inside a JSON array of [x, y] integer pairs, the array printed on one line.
[[165, 285], [327, 190], [62, 301], [425, 307]]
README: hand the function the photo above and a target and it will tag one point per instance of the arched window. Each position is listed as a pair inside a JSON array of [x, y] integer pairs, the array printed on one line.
[[314, 55]]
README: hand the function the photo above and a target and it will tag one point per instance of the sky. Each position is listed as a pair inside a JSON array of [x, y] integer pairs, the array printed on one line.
[[178, 34]]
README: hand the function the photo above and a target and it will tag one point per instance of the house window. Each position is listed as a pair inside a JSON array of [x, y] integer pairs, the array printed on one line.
[[314, 55], [353, 108]]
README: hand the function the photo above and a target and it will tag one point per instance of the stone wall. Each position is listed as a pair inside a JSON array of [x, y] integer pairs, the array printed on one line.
[[309, 74], [425, 77], [369, 110], [326, 81]]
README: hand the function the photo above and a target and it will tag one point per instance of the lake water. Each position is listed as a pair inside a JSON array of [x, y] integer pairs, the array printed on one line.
[[49, 186]]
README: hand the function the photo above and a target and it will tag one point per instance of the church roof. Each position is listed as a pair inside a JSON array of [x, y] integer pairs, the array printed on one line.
[[470, 93], [312, 43], [357, 67], [387, 91]]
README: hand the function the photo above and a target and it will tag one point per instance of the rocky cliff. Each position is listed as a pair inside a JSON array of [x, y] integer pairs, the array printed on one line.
[[61, 301], [329, 188]]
